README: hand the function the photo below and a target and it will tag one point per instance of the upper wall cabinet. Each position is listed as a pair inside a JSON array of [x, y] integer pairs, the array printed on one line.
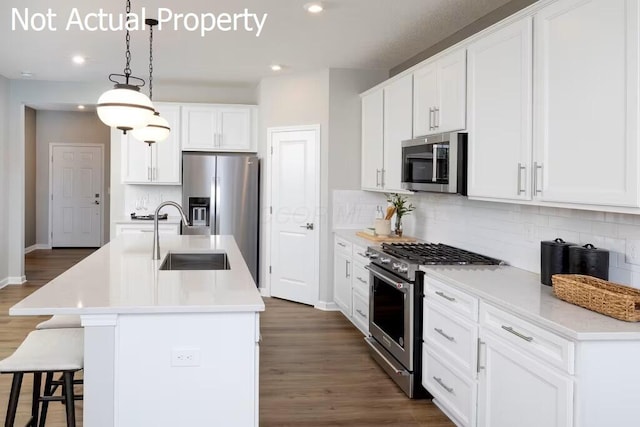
[[156, 164], [219, 128], [499, 106], [586, 102], [439, 94], [386, 122]]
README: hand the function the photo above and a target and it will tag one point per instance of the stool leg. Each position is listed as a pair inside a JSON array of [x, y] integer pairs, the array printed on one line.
[[35, 398], [48, 391], [69, 399], [13, 399]]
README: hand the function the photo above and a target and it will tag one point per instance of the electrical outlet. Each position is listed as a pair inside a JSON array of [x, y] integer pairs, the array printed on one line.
[[185, 357], [632, 252]]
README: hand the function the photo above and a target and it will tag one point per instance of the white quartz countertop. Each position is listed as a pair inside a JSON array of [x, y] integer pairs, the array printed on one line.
[[521, 292], [121, 278]]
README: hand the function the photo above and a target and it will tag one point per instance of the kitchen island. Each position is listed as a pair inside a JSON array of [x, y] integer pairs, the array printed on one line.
[[162, 348]]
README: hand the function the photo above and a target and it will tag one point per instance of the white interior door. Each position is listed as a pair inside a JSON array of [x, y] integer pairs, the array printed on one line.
[[76, 196], [294, 223]]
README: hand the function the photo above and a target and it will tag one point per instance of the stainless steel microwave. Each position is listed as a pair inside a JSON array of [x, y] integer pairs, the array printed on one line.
[[436, 163]]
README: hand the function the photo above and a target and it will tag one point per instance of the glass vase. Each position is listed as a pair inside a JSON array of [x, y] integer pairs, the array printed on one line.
[[399, 226]]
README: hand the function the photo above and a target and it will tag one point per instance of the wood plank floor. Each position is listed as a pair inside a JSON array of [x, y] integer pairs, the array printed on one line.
[[314, 367]]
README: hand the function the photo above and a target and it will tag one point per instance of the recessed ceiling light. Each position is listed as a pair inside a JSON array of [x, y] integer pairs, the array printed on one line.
[[79, 60], [314, 7], [26, 74], [276, 67], [81, 107]]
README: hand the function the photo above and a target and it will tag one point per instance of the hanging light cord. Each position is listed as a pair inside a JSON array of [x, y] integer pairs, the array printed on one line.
[[151, 62], [127, 67]]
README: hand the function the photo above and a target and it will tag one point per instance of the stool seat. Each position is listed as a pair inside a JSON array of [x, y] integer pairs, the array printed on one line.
[[47, 350], [60, 321]]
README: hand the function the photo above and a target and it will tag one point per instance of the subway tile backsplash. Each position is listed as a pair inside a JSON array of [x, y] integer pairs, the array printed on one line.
[[506, 231]]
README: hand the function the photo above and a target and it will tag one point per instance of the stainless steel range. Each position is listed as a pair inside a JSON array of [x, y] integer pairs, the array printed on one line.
[[395, 306]]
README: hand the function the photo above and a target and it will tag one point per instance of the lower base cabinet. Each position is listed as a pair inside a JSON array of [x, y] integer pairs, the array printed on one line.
[[351, 282]]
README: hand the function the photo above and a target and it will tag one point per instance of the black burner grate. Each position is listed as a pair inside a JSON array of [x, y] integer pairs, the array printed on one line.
[[436, 254]]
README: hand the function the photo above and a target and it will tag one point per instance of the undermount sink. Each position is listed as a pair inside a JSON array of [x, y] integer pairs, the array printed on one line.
[[195, 261]]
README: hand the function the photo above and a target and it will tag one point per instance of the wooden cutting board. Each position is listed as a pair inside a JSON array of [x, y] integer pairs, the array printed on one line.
[[383, 239]]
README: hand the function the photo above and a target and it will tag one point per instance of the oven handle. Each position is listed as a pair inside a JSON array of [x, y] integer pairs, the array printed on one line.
[[390, 280], [396, 370]]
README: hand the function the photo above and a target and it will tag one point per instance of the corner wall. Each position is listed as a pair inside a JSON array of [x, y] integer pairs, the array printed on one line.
[[30, 172], [4, 180]]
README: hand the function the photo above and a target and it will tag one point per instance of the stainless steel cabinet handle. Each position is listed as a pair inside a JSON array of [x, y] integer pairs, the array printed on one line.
[[390, 365], [441, 332], [362, 255], [431, 118], [148, 173], [346, 265], [443, 385], [155, 174], [339, 243], [361, 313], [360, 279], [537, 188], [521, 168], [377, 177], [436, 117], [146, 231], [382, 181], [478, 366], [516, 333], [445, 296]]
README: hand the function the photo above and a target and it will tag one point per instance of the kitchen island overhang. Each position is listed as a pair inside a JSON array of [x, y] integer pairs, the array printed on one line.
[[162, 348]]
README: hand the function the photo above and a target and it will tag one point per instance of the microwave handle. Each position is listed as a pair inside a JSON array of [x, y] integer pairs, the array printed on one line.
[[436, 148]]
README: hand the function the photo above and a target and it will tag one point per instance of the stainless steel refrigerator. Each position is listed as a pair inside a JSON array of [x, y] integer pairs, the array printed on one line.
[[221, 193]]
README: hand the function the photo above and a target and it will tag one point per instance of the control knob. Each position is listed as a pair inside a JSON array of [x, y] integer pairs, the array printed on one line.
[[385, 260]]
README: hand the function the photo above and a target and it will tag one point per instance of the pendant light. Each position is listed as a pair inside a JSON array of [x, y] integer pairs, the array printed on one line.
[[158, 128], [124, 106]]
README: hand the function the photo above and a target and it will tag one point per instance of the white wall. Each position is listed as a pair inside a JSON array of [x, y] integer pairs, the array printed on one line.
[[506, 231], [328, 98], [41, 94], [4, 180], [66, 127], [30, 172]]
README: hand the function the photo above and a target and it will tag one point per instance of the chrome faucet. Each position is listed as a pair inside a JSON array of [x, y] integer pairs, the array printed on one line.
[[156, 240]]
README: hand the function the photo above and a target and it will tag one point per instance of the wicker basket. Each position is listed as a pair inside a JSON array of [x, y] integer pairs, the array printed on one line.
[[611, 299]]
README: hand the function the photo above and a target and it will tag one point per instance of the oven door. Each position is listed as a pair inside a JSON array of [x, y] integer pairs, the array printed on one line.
[[391, 314]]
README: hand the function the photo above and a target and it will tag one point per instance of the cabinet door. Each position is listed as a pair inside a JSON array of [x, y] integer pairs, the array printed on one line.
[[342, 269], [137, 161], [516, 390], [586, 102], [500, 113], [425, 99], [235, 129], [168, 158], [450, 114], [372, 140], [199, 127], [398, 105]]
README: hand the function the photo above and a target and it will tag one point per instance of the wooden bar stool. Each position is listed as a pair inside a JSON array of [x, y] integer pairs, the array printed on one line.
[[60, 321], [45, 351]]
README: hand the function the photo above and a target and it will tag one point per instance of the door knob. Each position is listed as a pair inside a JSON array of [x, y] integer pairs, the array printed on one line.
[[309, 226], [96, 202]]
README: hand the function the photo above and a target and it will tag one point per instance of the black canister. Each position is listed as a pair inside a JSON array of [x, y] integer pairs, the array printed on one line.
[[589, 260], [554, 259]]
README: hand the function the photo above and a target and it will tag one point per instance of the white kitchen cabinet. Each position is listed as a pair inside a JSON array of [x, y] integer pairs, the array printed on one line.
[[342, 270], [351, 282], [499, 106], [209, 127], [159, 163], [398, 98], [586, 102], [517, 390], [439, 93], [147, 227], [372, 140]]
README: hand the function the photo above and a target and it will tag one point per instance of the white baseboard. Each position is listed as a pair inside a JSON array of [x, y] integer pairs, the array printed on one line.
[[327, 306], [265, 292], [4, 282], [16, 280], [37, 246]]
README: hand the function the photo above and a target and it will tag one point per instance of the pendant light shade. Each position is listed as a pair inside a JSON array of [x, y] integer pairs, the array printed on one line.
[[155, 131], [125, 108]]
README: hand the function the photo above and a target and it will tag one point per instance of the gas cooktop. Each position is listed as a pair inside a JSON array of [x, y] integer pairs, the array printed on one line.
[[436, 254]]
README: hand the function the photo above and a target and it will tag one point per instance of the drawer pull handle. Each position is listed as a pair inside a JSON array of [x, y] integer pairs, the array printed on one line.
[[342, 244], [443, 385], [445, 296], [516, 333], [441, 332], [362, 255], [362, 280], [146, 231], [361, 313]]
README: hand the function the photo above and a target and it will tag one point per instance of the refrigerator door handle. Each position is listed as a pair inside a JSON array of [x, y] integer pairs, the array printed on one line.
[[215, 223]]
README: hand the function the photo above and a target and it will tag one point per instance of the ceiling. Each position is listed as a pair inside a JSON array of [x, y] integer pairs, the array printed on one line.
[[372, 34]]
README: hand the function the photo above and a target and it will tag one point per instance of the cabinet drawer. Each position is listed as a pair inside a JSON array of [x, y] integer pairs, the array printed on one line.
[[454, 391], [359, 254], [452, 337], [343, 245], [360, 279], [360, 313], [534, 340], [458, 301]]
